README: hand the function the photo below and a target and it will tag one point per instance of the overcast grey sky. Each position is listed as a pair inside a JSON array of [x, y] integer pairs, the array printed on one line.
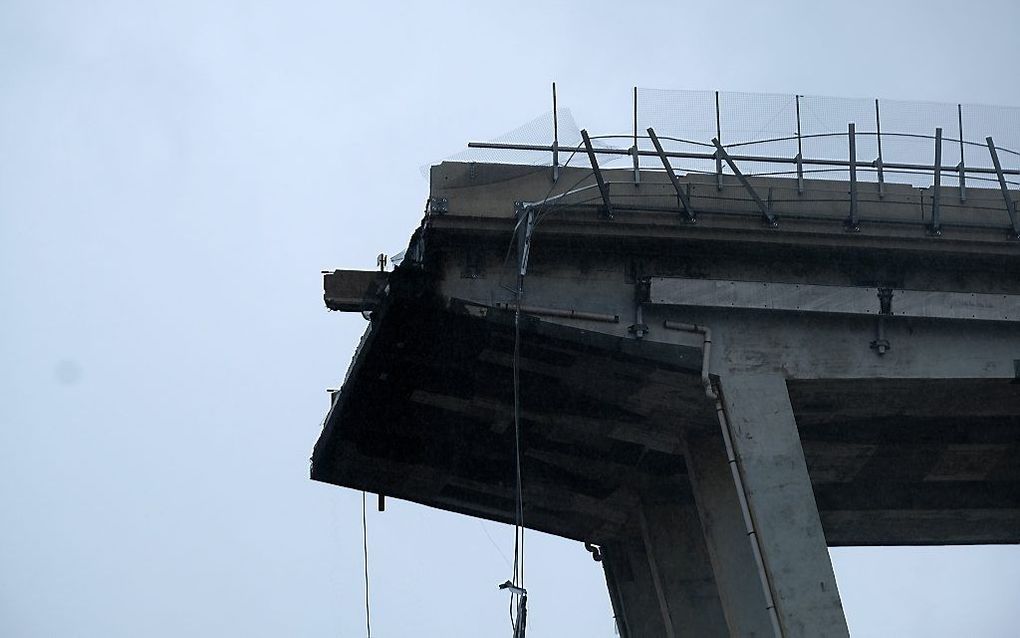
[[173, 177]]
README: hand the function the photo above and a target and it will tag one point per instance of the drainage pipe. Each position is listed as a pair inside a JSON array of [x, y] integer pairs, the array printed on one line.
[[731, 459], [565, 313]]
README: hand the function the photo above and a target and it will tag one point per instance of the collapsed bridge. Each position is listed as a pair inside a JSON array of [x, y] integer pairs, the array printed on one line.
[[721, 374]]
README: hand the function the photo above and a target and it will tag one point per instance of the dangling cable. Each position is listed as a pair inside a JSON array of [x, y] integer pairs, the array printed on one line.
[[364, 543], [518, 576]]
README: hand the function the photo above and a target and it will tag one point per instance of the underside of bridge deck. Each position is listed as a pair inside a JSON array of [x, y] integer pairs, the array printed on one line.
[[427, 411]]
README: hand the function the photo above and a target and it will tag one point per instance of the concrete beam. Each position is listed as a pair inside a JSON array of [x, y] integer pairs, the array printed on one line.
[[353, 290], [663, 585], [782, 505], [744, 598], [639, 613], [676, 549]]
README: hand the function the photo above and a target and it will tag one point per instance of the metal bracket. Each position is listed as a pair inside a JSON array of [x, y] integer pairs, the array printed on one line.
[[881, 344], [766, 212], [685, 200], [603, 189], [438, 205], [639, 328], [521, 622], [524, 229], [596, 551]]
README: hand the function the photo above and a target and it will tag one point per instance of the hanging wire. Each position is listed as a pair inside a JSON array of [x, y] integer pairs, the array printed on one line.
[[518, 576], [519, 530], [364, 543]]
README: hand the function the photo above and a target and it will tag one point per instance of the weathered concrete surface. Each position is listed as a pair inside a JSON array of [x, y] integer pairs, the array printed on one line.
[[915, 446], [768, 450], [675, 550], [744, 596], [634, 592]]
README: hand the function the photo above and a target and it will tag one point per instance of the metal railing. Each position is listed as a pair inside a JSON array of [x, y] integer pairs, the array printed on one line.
[[770, 155]]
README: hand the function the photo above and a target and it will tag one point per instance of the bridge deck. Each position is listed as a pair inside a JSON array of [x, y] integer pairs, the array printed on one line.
[[917, 447]]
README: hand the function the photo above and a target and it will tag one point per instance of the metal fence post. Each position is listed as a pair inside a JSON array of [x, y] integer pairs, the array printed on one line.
[[878, 162], [962, 168], [718, 136], [556, 138], [936, 225], [634, 149], [852, 223], [800, 153]]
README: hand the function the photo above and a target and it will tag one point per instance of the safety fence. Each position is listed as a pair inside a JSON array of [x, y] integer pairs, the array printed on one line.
[[794, 136]]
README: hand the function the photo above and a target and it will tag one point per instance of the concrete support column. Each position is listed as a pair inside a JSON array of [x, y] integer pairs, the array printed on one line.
[[632, 591], [789, 533], [666, 587], [744, 599]]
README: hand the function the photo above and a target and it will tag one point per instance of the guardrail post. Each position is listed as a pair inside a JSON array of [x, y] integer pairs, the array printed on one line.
[[556, 139], [961, 168], [634, 149], [800, 153], [718, 136], [936, 225], [852, 223], [878, 162]]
